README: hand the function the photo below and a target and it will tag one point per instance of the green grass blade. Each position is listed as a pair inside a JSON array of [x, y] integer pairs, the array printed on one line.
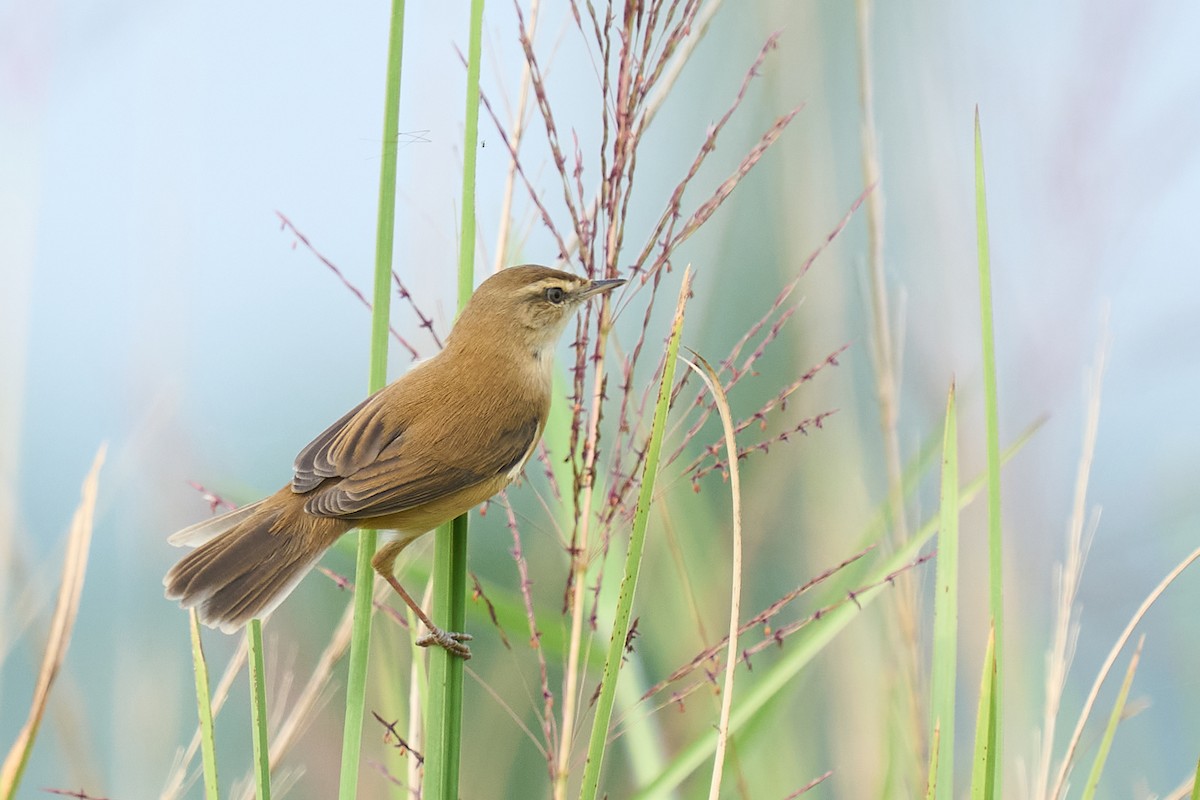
[[934, 753], [983, 783], [208, 744], [1068, 760], [364, 580], [807, 644], [995, 544], [258, 712], [466, 242], [444, 705], [633, 561], [1089, 789], [1196, 782], [945, 609]]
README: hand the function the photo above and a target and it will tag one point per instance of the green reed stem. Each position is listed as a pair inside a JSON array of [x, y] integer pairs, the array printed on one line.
[[991, 407], [443, 711], [944, 678], [208, 744], [364, 581], [258, 712]]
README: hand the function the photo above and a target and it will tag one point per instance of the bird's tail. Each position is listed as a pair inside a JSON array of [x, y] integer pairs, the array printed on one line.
[[248, 560]]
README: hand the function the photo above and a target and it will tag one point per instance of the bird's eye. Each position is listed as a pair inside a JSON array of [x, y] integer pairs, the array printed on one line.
[[555, 294]]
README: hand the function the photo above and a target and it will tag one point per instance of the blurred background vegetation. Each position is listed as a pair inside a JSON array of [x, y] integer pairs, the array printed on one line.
[[150, 300]]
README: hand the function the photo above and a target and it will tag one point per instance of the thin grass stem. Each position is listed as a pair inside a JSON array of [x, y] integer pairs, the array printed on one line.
[[179, 778], [1069, 574], [258, 711], [1110, 730], [515, 134], [945, 613], [710, 377], [1068, 760], [443, 713], [992, 412], [364, 581], [66, 609], [204, 710], [886, 360]]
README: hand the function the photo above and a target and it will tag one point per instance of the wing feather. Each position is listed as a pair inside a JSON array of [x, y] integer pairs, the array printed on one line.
[[401, 477], [349, 444]]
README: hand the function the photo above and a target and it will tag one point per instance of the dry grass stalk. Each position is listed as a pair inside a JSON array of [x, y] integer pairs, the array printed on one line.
[[513, 140], [810, 785], [1068, 575], [1068, 759], [713, 381], [313, 694], [886, 353], [65, 611]]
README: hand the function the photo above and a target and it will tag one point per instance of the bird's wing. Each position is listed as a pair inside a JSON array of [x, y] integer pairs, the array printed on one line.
[[349, 444], [402, 475]]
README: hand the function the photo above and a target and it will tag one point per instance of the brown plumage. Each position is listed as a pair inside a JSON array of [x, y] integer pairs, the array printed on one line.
[[441, 439]]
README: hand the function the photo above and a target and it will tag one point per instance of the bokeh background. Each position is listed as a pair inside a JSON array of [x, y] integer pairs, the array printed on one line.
[[149, 299]]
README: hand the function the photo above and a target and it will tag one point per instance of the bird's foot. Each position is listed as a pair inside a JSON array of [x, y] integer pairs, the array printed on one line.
[[448, 640]]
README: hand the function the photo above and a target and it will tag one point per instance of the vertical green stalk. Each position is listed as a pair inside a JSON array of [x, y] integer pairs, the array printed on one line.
[[945, 615], [364, 581], [208, 745], [258, 713], [995, 544], [443, 711], [466, 242]]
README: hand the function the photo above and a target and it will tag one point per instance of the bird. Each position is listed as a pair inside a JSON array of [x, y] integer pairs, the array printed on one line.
[[442, 438]]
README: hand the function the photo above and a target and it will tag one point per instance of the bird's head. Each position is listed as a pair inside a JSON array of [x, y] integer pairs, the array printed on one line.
[[524, 307]]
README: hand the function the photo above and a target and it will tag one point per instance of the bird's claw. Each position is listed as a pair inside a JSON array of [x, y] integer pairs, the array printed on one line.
[[450, 641]]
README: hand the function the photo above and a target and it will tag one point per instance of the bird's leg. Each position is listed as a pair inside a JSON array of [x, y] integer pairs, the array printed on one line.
[[384, 563]]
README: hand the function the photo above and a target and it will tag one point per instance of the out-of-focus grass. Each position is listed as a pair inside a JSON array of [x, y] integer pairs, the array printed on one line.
[[983, 764], [995, 717], [58, 634], [944, 667]]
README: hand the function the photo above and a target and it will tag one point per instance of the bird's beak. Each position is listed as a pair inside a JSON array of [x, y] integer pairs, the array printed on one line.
[[598, 287]]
